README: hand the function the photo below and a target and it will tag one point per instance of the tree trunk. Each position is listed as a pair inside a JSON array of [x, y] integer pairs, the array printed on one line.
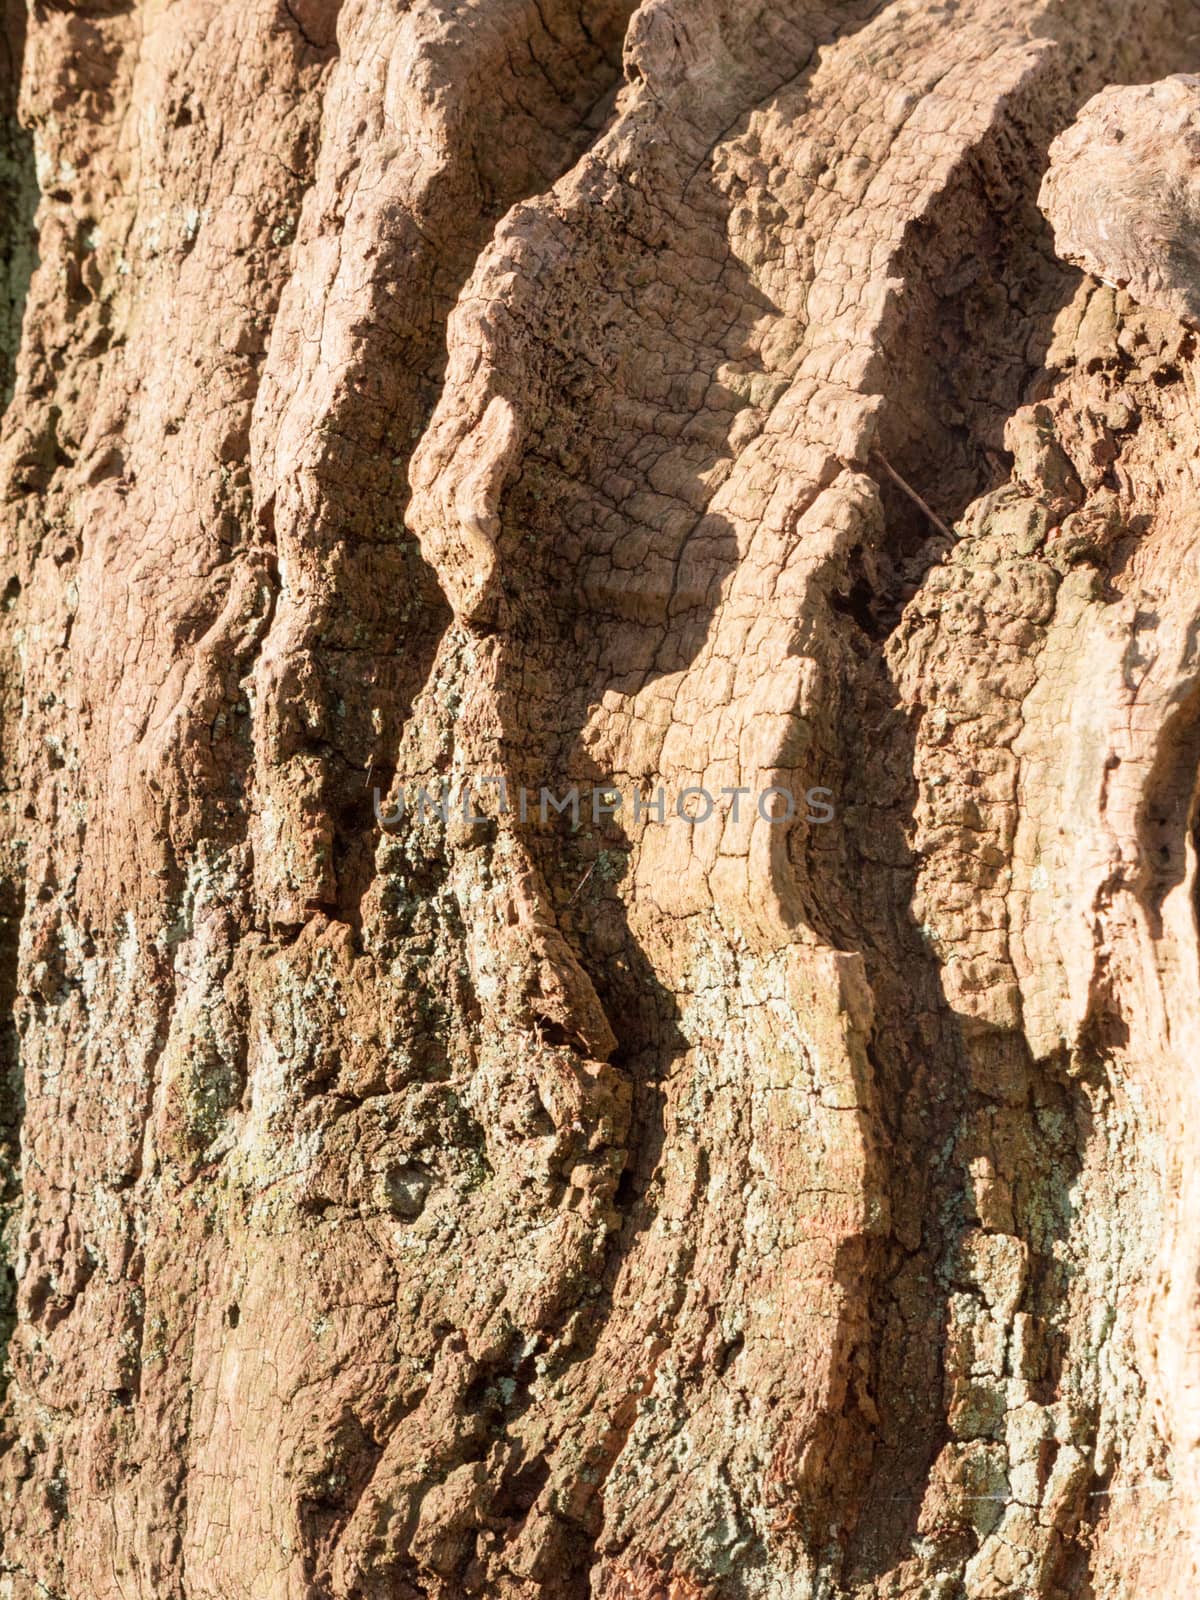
[[773, 1181]]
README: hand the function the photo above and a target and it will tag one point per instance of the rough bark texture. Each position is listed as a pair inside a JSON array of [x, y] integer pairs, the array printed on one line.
[[1123, 192], [540, 389]]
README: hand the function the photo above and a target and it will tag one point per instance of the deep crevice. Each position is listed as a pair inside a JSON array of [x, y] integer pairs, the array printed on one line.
[[18, 199]]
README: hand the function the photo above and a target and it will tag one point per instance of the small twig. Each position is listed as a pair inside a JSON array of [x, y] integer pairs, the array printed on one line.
[[912, 494], [580, 884]]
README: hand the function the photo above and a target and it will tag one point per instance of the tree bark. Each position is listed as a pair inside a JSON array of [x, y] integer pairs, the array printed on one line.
[[780, 1183]]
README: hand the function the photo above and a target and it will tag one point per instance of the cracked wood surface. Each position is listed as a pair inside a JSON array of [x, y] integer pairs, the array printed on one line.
[[575, 392]]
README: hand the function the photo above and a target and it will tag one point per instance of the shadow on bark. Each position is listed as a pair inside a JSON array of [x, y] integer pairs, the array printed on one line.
[[12, 1105], [18, 256], [18, 199], [961, 359]]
